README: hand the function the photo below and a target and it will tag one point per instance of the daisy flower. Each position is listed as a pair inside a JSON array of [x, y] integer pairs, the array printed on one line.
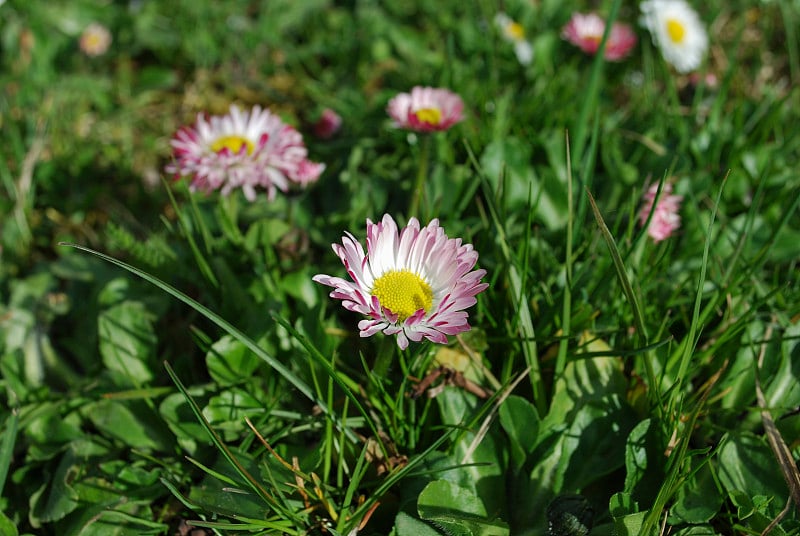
[[586, 33], [665, 219], [414, 283], [426, 109], [513, 32], [95, 40], [244, 150], [677, 31]]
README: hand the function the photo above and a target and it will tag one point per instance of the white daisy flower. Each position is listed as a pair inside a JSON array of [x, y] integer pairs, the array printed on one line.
[[513, 32], [415, 283], [677, 31]]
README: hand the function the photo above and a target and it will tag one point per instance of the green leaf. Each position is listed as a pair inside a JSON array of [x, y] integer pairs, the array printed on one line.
[[128, 341], [583, 381], [630, 525], [457, 510], [229, 361], [232, 405], [7, 446], [747, 464], [132, 423], [698, 499], [7, 527], [56, 498], [405, 525], [519, 419]]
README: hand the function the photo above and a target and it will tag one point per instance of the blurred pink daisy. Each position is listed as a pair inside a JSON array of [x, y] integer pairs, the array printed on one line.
[[413, 284], [665, 219], [244, 150], [586, 33], [426, 109], [95, 40]]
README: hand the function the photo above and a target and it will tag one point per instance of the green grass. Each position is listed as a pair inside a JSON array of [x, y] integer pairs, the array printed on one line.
[[167, 359]]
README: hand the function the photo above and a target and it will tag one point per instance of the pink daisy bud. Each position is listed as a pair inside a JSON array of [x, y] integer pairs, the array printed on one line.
[[328, 124]]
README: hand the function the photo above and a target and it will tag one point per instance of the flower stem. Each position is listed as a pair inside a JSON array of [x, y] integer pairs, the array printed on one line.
[[384, 358], [422, 172]]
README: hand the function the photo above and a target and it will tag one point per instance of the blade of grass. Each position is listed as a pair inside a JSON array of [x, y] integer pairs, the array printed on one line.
[[630, 295], [518, 294], [694, 327], [219, 444], [205, 268], [566, 311], [319, 358], [7, 446]]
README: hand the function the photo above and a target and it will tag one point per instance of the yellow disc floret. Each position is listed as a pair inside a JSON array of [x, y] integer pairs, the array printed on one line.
[[515, 31], [676, 30], [403, 293], [233, 143], [431, 116]]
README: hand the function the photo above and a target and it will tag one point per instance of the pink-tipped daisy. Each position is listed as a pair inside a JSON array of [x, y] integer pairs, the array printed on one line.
[[414, 283], [586, 32], [665, 219], [426, 109], [244, 150]]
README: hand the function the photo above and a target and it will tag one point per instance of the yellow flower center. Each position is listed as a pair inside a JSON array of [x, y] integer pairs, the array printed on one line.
[[233, 143], [676, 30], [432, 116], [515, 31], [403, 293]]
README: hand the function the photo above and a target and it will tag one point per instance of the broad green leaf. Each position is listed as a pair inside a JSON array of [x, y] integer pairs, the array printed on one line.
[[56, 498], [630, 525], [643, 474], [7, 527], [595, 442], [229, 361], [519, 419], [457, 510], [405, 525], [583, 381], [483, 471], [131, 422], [128, 341], [698, 499], [747, 464], [179, 417], [232, 405]]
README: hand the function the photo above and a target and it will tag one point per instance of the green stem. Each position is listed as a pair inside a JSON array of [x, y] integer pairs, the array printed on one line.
[[384, 358], [422, 173]]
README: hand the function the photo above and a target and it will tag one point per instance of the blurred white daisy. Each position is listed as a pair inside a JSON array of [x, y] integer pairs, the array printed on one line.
[[514, 33], [244, 150], [415, 283], [677, 31]]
